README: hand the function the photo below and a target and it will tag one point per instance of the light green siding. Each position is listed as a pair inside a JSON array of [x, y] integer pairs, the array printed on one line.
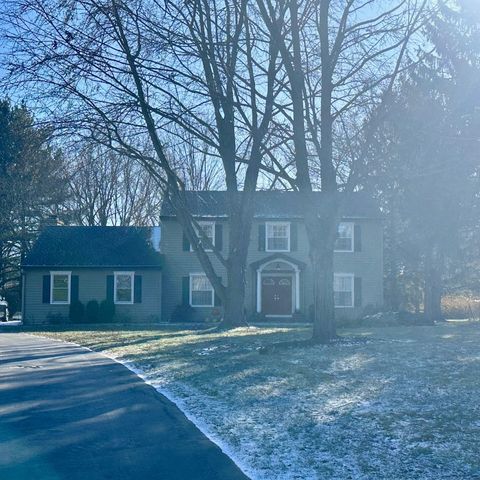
[[367, 264], [92, 286]]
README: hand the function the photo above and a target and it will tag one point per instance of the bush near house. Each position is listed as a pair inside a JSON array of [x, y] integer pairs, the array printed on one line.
[[107, 311], [183, 313], [92, 311], [76, 312]]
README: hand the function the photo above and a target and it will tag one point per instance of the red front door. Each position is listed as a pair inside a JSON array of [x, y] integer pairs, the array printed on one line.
[[277, 295]]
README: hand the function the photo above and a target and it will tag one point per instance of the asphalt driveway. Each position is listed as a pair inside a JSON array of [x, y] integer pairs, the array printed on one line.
[[67, 413]]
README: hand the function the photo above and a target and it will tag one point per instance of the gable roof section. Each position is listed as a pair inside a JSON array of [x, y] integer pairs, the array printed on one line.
[[276, 204], [119, 247]]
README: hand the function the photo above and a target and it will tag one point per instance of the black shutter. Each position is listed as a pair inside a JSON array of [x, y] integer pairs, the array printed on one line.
[[293, 237], [46, 289], [218, 237], [110, 281], [74, 288], [261, 237], [357, 238], [185, 290], [185, 243], [357, 289], [137, 289], [217, 301]]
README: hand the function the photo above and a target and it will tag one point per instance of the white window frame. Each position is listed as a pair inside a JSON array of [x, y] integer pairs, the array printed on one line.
[[271, 224], [352, 277], [132, 276], [190, 290], [352, 226], [63, 273], [201, 224]]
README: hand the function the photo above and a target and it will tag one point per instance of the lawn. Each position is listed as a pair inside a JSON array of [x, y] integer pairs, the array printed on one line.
[[392, 403]]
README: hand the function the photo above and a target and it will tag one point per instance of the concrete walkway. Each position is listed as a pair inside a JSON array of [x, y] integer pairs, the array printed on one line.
[[66, 413]]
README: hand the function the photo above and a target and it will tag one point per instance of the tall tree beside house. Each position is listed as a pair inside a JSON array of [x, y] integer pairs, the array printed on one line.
[[426, 162], [31, 188], [338, 57], [122, 72]]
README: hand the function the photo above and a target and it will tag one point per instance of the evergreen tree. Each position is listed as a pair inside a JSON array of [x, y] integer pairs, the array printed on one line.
[[31, 187]]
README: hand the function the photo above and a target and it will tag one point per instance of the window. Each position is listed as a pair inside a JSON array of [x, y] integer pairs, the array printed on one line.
[[278, 237], [343, 290], [60, 287], [344, 241], [124, 287], [208, 229], [201, 291]]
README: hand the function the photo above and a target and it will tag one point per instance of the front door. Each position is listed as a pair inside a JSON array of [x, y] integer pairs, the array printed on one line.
[[277, 295]]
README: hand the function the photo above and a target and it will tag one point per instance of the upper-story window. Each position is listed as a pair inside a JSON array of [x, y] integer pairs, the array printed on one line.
[[278, 237], [208, 229], [344, 241], [60, 287]]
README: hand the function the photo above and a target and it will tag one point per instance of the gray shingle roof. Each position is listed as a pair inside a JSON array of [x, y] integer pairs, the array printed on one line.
[[93, 247], [276, 204]]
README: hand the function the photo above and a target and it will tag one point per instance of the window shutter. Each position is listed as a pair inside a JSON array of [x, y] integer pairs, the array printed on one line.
[[293, 237], [185, 243], [357, 289], [185, 290], [261, 237], [357, 238], [219, 236], [110, 281], [217, 301], [74, 288], [46, 289], [137, 289]]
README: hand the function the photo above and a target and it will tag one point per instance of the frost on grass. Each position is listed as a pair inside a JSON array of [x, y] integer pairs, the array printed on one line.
[[403, 403]]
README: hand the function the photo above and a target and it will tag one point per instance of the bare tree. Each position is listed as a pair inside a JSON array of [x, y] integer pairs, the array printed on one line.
[[106, 189], [338, 56], [122, 72]]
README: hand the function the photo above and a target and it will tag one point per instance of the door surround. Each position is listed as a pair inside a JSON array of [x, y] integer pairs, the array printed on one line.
[[279, 267]]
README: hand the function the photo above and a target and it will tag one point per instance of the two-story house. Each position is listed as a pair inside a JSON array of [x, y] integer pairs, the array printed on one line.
[[279, 275], [147, 273]]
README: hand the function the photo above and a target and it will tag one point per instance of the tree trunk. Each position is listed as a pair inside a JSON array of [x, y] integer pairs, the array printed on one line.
[[240, 225], [321, 236], [433, 287], [234, 310]]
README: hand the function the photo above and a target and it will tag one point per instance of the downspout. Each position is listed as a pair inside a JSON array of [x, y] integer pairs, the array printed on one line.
[[24, 280]]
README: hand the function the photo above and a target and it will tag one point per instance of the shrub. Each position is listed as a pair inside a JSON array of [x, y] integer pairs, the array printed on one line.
[[106, 311], [76, 312], [183, 313], [92, 311]]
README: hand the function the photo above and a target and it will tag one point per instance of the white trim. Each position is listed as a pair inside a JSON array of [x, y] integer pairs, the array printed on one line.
[[266, 235], [295, 292], [190, 290], [352, 249], [132, 276], [201, 224], [60, 272], [352, 276]]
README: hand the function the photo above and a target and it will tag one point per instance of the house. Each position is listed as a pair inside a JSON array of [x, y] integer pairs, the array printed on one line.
[[278, 272], [106, 262]]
